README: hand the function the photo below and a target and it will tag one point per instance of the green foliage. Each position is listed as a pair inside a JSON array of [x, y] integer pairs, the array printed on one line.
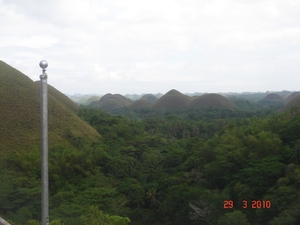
[[261, 174], [36, 222], [56, 222], [290, 131], [94, 216], [233, 218], [152, 170], [33, 222]]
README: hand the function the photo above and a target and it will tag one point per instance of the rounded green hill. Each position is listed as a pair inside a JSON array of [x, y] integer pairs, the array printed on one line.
[[20, 114], [273, 97], [110, 102], [149, 98], [92, 99], [171, 100], [175, 99], [211, 100]]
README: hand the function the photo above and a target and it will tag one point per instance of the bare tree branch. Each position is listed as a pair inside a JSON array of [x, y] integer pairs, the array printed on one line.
[[200, 211]]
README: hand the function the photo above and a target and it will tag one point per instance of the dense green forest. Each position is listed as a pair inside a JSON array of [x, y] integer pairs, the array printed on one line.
[[181, 166]]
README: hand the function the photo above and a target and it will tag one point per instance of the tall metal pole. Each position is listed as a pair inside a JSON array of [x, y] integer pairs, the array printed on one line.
[[44, 144]]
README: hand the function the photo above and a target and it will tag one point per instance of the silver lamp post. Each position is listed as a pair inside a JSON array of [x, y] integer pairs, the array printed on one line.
[[44, 144]]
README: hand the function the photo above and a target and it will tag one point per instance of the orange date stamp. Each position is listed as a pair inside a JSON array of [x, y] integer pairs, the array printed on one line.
[[253, 204]]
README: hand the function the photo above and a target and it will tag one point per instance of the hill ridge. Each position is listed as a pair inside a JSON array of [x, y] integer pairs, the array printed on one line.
[[173, 99]]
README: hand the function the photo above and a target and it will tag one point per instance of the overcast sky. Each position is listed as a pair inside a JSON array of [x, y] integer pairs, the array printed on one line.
[[138, 46]]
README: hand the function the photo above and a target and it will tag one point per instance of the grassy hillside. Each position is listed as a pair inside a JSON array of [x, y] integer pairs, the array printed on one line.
[[149, 98], [92, 99], [208, 100], [291, 96], [175, 99], [20, 114], [294, 102], [111, 102], [172, 99], [104, 98], [273, 96], [65, 100]]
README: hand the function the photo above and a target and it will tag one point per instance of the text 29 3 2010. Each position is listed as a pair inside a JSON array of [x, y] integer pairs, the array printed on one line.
[[253, 204]]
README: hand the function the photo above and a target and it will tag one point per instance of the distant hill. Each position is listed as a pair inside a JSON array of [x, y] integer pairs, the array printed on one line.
[[133, 97], [175, 99], [172, 99], [291, 96], [294, 102], [273, 97], [79, 100], [20, 114], [272, 101], [211, 100], [158, 95], [104, 98], [149, 98], [92, 99], [110, 102]]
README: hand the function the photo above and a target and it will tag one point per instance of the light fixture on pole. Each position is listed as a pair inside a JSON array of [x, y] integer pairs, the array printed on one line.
[[44, 144]]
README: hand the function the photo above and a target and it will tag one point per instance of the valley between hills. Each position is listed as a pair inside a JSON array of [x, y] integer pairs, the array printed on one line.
[[151, 159]]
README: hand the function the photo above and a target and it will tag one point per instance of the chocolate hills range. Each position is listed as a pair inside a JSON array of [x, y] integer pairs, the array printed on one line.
[[20, 92], [85, 99], [20, 114], [171, 100], [254, 97], [175, 99]]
